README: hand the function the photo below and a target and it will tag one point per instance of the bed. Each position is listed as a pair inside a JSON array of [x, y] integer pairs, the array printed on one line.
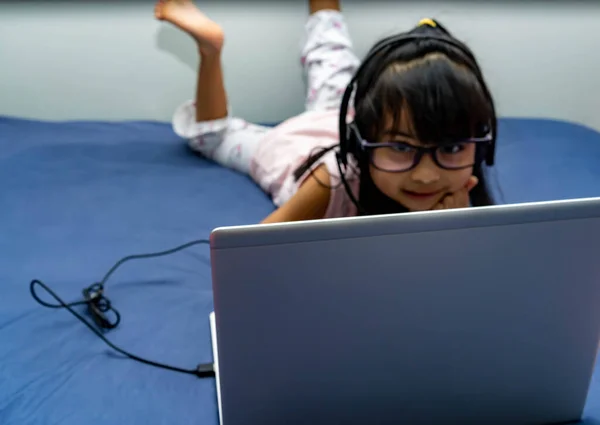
[[77, 196]]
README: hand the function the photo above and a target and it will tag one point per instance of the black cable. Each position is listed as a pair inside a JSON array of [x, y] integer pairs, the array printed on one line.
[[99, 305], [151, 255]]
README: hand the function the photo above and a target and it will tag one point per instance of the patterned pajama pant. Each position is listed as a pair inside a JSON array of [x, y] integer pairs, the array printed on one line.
[[329, 62]]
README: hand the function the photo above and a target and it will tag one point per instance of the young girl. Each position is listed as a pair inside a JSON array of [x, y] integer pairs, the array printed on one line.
[[423, 122]]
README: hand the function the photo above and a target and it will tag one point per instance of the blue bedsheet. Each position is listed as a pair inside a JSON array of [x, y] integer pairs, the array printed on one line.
[[75, 197]]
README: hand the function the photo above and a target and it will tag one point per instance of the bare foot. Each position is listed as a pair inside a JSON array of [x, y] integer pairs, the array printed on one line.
[[187, 17]]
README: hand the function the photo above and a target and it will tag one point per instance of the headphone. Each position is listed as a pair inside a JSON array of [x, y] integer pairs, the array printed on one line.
[[349, 143]]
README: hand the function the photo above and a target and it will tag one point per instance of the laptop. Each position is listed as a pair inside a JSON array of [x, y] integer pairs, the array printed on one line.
[[486, 315]]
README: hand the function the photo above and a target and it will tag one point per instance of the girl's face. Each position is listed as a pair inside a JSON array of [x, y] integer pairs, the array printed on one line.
[[422, 187]]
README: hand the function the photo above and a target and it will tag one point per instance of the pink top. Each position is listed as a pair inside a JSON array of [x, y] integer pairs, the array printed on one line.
[[288, 145]]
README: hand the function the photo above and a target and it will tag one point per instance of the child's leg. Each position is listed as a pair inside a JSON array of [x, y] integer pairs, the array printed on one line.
[[206, 123], [327, 56], [230, 141]]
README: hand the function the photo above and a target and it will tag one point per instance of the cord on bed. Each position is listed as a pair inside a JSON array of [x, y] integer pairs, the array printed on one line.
[[98, 307]]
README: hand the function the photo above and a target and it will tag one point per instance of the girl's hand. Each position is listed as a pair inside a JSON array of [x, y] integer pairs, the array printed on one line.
[[459, 199]]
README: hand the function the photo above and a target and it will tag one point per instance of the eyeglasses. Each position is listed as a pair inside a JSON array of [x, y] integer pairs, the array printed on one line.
[[397, 157]]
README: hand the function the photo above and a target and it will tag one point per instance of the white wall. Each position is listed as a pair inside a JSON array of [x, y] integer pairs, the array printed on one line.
[[104, 60]]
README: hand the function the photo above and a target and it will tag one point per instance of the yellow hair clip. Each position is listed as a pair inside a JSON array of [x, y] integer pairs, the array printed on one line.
[[427, 21]]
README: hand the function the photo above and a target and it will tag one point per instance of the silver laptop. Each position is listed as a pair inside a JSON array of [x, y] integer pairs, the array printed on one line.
[[475, 316]]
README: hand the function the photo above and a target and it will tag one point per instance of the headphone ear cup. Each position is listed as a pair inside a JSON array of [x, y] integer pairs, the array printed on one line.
[[349, 143], [489, 157], [354, 147], [490, 153], [342, 154]]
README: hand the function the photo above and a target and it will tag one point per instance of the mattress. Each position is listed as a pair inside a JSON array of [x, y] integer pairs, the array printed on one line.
[[77, 196]]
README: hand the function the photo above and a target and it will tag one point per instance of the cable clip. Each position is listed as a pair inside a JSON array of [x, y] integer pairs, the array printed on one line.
[[98, 305]]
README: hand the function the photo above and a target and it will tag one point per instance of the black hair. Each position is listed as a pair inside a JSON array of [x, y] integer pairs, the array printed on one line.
[[445, 96]]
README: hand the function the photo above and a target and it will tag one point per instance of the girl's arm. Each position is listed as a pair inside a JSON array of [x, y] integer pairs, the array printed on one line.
[[312, 198], [309, 203]]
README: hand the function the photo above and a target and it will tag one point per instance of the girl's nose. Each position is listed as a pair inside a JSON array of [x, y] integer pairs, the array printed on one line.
[[426, 171]]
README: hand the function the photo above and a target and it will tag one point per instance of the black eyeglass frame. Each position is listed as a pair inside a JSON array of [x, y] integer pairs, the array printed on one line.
[[421, 151]]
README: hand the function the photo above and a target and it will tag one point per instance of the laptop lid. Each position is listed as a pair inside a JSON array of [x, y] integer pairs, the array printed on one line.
[[481, 315]]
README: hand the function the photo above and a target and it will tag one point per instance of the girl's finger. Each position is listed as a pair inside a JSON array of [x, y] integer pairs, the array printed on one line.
[[449, 202], [471, 183], [439, 205]]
